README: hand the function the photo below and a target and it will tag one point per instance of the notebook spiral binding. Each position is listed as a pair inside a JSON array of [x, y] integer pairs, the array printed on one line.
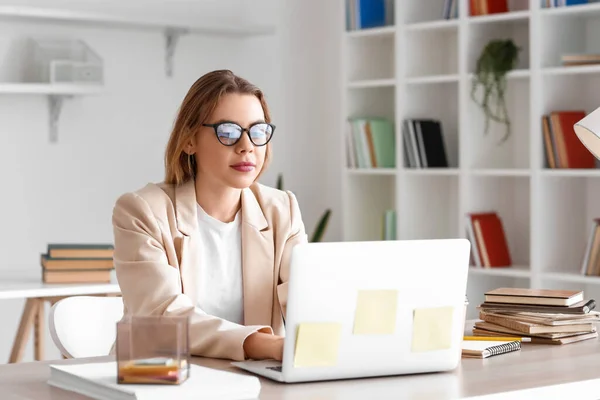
[[504, 348]]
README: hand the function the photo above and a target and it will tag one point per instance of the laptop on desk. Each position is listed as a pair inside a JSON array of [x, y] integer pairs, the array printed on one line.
[[364, 309]]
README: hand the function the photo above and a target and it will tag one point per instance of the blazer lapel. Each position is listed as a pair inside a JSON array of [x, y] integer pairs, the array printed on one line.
[[257, 262], [187, 224]]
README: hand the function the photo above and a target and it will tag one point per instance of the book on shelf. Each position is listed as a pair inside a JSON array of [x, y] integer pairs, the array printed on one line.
[[389, 225], [547, 316], [489, 246], [590, 266], [487, 7], [364, 14], [77, 263], [424, 145], [371, 143], [485, 349], [569, 60], [563, 147], [564, 3], [450, 9]]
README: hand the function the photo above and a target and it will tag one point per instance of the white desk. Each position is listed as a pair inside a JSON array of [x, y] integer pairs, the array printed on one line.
[[536, 372], [36, 293]]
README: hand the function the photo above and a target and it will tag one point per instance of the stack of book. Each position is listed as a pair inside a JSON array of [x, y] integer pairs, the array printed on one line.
[[371, 143], [486, 7], [488, 240], [545, 316], [77, 263]]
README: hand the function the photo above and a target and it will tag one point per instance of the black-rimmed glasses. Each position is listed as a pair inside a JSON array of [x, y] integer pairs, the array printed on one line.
[[229, 133]]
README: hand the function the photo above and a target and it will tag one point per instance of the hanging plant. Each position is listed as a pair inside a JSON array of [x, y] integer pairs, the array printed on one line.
[[496, 60]]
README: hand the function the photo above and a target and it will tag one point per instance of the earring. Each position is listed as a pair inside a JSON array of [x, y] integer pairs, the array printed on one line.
[[190, 164]]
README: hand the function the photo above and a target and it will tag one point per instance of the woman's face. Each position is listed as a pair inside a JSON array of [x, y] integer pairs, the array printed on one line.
[[237, 165]]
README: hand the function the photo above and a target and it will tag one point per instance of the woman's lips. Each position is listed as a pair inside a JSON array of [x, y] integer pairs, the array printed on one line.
[[244, 167]]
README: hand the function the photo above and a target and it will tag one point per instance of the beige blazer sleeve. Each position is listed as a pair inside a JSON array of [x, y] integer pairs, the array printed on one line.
[[297, 236], [151, 286]]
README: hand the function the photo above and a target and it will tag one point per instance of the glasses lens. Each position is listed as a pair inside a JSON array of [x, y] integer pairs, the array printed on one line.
[[228, 133], [261, 133]]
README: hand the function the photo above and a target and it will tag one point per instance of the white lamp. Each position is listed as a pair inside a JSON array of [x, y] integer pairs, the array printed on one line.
[[588, 132]]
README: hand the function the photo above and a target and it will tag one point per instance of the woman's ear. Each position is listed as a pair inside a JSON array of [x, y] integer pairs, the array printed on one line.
[[190, 146]]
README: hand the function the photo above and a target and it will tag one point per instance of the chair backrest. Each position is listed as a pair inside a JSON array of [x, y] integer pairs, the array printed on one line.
[[85, 326]]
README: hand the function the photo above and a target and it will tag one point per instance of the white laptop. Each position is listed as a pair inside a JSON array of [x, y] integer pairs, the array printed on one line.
[[364, 309]]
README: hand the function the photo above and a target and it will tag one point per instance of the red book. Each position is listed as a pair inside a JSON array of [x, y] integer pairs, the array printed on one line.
[[571, 152], [494, 246]]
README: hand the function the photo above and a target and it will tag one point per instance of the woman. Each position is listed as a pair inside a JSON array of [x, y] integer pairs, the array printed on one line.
[[210, 242]]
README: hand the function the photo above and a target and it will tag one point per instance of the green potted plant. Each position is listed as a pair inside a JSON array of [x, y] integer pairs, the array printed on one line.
[[319, 232], [497, 58]]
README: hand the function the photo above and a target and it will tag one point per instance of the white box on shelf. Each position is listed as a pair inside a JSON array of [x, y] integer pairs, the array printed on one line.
[[65, 61]]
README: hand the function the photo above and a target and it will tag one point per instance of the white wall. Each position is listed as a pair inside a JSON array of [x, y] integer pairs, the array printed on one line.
[[114, 142]]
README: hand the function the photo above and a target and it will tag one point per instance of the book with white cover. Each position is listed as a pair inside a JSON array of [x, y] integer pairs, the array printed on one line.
[[99, 381]]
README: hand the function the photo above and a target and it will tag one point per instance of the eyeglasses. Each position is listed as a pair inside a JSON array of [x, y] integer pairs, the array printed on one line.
[[229, 133]]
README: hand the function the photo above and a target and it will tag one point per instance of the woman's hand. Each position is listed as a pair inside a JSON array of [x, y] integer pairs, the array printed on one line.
[[260, 346]]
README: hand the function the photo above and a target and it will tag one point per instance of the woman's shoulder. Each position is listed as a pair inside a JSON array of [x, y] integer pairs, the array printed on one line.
[[277, 204], [153, 196]]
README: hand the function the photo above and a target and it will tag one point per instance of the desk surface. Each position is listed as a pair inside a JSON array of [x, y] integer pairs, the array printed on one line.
[[575, 368], [14, 287]]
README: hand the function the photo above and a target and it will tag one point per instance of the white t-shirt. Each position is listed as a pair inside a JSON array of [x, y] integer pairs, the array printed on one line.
[[220, 290]]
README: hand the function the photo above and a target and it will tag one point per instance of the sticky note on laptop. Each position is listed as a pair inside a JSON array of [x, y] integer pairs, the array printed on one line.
[[432, 329], [317, 344], [375, 312]]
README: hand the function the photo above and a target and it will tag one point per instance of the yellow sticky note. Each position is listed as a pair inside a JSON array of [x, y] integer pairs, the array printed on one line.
[[432, 329], [375, 312], [317, 344]]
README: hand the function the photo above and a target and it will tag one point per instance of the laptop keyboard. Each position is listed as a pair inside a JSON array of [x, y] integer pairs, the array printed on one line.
[[277, 368]]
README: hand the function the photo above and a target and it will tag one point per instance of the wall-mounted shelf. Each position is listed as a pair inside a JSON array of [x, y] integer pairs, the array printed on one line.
[[56, 94], [171, 29]]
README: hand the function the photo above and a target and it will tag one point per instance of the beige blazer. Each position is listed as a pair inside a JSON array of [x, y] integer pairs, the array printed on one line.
[[156, 253]]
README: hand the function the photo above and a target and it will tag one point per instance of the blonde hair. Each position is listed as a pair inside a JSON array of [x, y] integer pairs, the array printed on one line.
[[197, 106]]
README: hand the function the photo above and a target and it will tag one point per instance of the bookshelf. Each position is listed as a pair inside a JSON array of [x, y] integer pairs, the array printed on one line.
[[421, 66]]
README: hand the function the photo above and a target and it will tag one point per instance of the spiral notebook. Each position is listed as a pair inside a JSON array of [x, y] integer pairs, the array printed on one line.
[[485, 349]]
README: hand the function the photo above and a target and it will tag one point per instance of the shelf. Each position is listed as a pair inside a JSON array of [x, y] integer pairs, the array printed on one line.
[[372, 32], [517, 271], [571, 173], [571, 277], [506, 172], [62, 16], [583, 10], [172, 28], [441, 25], [50, 89], [56, 93], [431, 171], [371, 171], [372, 83], [500, 17], [572, 70], [424, 80]]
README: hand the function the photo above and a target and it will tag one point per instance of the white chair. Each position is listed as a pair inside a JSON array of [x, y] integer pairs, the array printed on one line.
[[85, 326]]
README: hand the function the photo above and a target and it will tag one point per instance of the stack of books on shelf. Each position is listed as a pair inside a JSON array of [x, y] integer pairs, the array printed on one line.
[[486, 7], [591, 259], [569, 60], [77, 263], [543, 316], [564, 3], [563, 148], [424, 145], [489, 247], [363, 14], [371, 143], [389, 225]]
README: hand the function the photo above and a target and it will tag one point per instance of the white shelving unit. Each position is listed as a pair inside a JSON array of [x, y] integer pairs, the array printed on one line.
[[172, 29], [427, 64]]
